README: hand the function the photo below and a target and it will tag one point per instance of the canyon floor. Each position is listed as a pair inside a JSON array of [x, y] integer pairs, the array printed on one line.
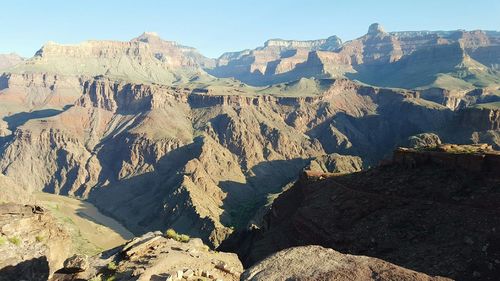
[[90, 230]]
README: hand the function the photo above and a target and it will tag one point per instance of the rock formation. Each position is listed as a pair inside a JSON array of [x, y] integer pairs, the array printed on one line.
[[426, 210], [335, 163], [142, 130], [276, 58], [391, 59], [154, 257], [156, 156], [172, 53], [145, 58], [318, 263], [423, 140], [32, 245]]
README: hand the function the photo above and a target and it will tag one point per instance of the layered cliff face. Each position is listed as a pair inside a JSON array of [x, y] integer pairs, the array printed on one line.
[[277, 58], [36, 92], [451, 60], [145, 58], [422, 210], [142, 131], [204, 160], [174, 54]]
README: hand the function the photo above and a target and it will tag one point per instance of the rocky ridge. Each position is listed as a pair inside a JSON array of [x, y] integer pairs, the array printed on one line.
[[441, 208], [146, 58]]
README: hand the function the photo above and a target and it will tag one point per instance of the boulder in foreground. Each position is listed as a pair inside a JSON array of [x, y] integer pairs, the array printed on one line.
[[317, 263]]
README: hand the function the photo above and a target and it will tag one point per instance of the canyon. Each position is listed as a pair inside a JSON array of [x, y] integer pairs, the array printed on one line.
[[158, 136]]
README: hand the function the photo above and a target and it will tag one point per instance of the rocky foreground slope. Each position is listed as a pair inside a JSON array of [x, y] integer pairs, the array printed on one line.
[[316, 263], [434, 211], [32, 245], [153, 257]]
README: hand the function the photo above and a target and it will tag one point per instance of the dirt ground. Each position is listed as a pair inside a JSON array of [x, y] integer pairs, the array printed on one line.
[[91, 231]]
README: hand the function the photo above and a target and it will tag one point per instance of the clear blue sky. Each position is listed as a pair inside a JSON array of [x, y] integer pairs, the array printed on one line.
[[217, 26]]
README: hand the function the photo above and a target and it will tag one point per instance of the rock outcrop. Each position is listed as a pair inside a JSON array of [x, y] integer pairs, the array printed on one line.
[[174, 54], [335, 163], [318, 263], [423, 140], [154, 257], [146, 58], [275, 59], [32, 245], [475, 158]]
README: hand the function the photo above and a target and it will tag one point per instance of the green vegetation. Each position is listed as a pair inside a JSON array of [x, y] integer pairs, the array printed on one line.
[[39, 238], [68, 220], [112, 266], [15, 240], [2, 240], [184, 238], [170, 233], [100, 277]]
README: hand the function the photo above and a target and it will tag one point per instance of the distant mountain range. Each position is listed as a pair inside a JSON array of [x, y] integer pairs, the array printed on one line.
[[412, 59], [421, 59]]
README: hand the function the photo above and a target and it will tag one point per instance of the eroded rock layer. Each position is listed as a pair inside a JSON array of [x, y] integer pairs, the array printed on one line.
[[203, 160]]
